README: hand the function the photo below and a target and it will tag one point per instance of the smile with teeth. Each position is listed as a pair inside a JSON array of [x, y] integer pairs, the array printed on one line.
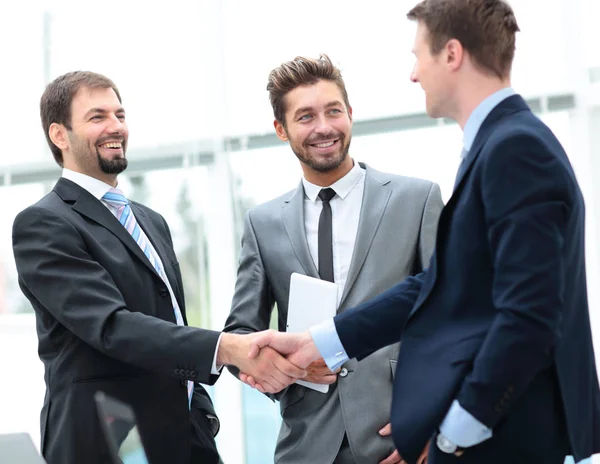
[[112, 145], [324, 144]]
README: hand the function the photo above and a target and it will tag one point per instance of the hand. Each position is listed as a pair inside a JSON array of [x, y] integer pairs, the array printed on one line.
[[299, 348], [423, 458], [318, 372], [393, 458], [271, 370]]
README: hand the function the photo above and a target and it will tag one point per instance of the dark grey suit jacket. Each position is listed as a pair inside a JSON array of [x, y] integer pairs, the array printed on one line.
[[395, 238], [105, 321]]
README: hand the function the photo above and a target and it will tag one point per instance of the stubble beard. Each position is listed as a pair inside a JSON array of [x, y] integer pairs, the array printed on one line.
[[327, 164]]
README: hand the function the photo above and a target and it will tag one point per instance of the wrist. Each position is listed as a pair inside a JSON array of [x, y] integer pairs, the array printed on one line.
[[229, 349]]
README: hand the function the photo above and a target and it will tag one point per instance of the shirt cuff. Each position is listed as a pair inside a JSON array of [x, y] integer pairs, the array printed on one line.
[[216, 370], [328, 343], [462, 429]]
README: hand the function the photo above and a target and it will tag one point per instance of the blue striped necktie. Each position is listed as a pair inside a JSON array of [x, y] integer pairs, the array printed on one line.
[[119, 205]]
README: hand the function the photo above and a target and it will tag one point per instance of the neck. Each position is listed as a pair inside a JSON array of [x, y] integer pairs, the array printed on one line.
[[325, 179], [110, 179], [472, 94]]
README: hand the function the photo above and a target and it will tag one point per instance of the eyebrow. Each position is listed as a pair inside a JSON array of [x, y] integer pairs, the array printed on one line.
[[120, 110], [309, 108]]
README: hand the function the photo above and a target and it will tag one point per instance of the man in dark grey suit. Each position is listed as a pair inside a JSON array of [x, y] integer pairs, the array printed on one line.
[[381, 228]]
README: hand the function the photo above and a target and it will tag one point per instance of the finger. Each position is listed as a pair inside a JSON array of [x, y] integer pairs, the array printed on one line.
[[320, 371], [272, 387], [387, 430], [258, 341], [321, 379], [251, 381], [288, 369], [393, 458]]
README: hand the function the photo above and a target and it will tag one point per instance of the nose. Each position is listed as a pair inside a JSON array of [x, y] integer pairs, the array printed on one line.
[[323, 126], [116, 125], [413, 75]]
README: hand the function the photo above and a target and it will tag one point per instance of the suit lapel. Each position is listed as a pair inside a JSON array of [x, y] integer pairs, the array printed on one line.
[[166, 256], [504, 109], [375, 200], [293, 219], [89, 206]]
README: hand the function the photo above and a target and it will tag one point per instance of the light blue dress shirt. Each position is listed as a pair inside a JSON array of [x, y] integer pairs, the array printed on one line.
[[459, 426]]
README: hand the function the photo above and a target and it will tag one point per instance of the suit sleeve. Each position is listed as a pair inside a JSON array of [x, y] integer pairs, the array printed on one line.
[[253, 300], [380, 321], [526, 193], [429, 224], [59, 276]]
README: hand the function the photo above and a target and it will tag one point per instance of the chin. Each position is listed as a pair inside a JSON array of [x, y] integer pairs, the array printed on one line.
[[433, 112]]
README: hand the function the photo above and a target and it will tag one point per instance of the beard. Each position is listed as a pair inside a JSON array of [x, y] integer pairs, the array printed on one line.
[[323, 164], [114, 166]]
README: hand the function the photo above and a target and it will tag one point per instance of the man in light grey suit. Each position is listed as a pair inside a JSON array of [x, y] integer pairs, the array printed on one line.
[[345, 222]]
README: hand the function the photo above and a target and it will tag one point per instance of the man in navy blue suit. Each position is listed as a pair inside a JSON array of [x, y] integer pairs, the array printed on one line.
[[496, 363]]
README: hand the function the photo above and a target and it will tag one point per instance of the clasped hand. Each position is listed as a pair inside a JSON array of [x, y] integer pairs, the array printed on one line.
[[270, 361]]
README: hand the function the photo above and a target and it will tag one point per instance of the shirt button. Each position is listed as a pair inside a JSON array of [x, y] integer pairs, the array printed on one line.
[[343, 372]]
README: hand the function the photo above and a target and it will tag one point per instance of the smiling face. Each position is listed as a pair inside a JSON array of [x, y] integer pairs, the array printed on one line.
[[318, 126], [96, 144]]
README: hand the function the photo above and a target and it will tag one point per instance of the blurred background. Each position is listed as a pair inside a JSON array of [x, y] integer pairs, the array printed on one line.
[[202, 149]]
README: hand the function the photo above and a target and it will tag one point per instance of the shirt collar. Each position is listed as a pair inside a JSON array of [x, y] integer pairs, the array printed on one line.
[[481, 112], [94, 186], [342, 187]]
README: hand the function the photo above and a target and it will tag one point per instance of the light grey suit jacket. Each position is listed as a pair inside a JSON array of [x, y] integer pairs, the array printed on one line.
[[395, 238]]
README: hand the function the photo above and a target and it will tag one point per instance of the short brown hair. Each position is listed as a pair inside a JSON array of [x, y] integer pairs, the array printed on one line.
[[301, 71], [485, 28], [55, 104]]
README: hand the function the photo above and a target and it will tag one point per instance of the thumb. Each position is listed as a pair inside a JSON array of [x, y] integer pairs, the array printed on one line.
[[258, 341], [385, 431]]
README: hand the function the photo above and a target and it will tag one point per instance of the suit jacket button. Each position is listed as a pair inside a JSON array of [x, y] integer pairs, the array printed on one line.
[[163, 292], [343, 372]]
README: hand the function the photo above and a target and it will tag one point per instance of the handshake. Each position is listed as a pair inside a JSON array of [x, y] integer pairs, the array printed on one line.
[[270, 361]]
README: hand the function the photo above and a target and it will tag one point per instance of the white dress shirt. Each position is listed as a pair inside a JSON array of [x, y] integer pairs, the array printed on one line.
[[345, 214], [98, 188]]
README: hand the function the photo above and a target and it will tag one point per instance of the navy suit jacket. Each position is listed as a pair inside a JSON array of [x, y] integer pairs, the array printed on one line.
[[500, 319]]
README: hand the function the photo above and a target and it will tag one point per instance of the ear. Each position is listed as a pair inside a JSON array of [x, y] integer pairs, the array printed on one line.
[[280, 131], [350, 113], [58, 135], [454, 54]]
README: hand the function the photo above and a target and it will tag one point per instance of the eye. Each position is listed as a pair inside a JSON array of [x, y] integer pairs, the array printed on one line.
[[121, 117], [96, 117], [305, 117], [335, 110]]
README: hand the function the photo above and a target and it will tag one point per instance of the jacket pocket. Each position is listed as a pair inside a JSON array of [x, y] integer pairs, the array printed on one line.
[[293, 394]]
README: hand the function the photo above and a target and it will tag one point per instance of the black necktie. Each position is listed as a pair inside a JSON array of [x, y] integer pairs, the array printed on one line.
[[325, 236]]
